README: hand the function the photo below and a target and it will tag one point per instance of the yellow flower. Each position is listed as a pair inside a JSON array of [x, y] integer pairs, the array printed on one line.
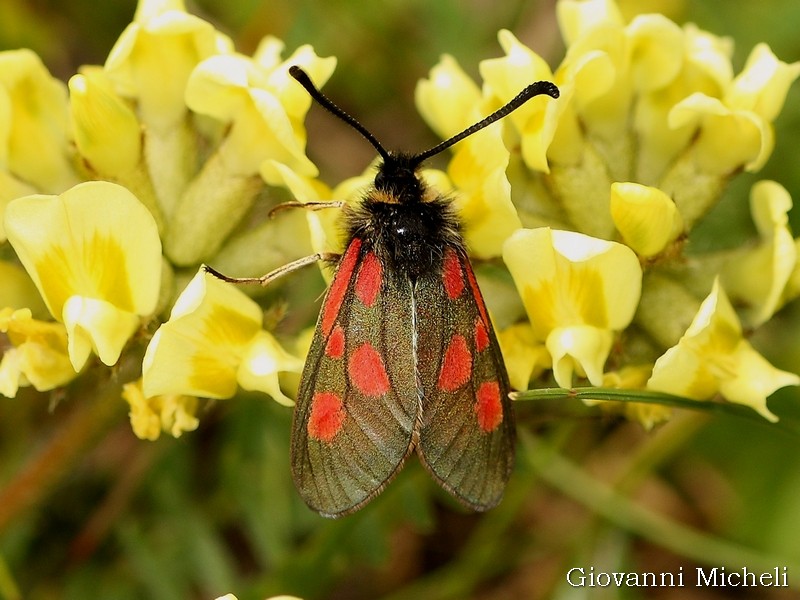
[[34, 130], [646, 217], [213, 342], [759, 276], [578, 291], [525, 358], [37, 355], [237, 90], [707, 69], [536, 121], [139, 71], [730, 132], [95, 257], [483, 200], [763, 84], [448, 99], [137, 65], [172, 413], [263, 110], [712, 357], [106, 130]]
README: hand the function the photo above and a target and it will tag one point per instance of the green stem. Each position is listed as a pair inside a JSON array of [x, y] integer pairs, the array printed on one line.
[[786, 424]]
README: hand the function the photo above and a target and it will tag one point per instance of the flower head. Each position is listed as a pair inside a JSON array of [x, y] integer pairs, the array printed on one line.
[[34, 127], [94, 254], [213, 343], [136, 62], [712, 357], [37, 355], [172, 413], [578, 291], [759, 276]]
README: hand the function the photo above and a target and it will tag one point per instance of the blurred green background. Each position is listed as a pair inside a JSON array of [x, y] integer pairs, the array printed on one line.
[[88, 511]]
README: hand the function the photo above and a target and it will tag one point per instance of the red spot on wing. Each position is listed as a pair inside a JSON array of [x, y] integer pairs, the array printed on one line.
[[456, 366], [327, 416], [367, 371], [488, 407], [338, 289], [481, 335], [368, 283], [451, 275], [335, 346]]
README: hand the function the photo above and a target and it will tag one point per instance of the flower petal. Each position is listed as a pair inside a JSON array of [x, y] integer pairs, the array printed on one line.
[[261, 362], [645, 216], [478, 170], [96, 240], [34, 129], [150, 416], [96, 326], [577, 291], [582, 349], [38, 355], [448, 99], [525, 357], [759, 276], [712, 357], [213, 330]]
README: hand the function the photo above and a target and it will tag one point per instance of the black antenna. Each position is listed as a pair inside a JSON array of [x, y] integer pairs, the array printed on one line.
[[534, 89], [304, 80]]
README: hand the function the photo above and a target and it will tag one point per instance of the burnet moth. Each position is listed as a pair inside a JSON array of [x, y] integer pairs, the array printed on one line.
[[404, 357]]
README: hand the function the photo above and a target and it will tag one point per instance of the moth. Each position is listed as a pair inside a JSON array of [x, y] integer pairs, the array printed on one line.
[[404, 358]]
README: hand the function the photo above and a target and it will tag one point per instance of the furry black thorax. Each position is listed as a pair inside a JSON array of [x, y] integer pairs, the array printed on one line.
[[405, 224]]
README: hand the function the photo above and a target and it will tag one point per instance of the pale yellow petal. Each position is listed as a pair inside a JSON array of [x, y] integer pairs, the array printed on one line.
[[95, 240], [763, 84], [759, 276], [38, 355], [568, 279], [261, 363], [478, 170], [96, 326], [525, 357], [198, 351], [755, 379], [681, 372], [137, 66], [577, 17], [106, 130], [234, 89], [34, 123], [655, 47], [580, 350], [448, 100], [645, 216]]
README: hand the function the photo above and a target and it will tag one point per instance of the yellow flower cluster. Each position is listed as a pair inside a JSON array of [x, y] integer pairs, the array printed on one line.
[[116, 187], [606, 184], [113, 190]]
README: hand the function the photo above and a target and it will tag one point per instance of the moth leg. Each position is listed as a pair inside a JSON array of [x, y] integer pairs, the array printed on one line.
[[313, 205], [277, 273]]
